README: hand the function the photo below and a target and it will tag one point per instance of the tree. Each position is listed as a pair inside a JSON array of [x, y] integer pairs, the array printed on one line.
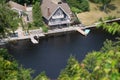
[[72, 70], [8, 19], [78, 5], [42, 76], [112, 28], [101, 65], [105, 3], [9, 69], [23, 1], [95, 1], [37, 16]]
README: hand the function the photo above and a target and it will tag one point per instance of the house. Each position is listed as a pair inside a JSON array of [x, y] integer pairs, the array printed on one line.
[[56, 12], [20, 9]]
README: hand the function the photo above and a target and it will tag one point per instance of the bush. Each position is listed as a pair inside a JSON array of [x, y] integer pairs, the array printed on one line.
[[45, 29], [95, 1], [78, 5], [76, 10]]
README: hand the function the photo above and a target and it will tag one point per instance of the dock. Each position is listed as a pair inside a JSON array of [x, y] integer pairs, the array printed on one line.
[[33, 40], [81, 31]]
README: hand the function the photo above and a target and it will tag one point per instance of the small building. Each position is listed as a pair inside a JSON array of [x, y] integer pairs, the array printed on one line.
[[56, 12], [20, 9]]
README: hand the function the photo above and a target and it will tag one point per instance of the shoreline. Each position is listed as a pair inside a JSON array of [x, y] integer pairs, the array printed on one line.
[[39, 34]]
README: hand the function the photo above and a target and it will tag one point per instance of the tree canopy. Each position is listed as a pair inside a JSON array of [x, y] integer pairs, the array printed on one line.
[[110, 27], [9, 69], [8, 19], [37, 16], [78, 5], [101, 65]]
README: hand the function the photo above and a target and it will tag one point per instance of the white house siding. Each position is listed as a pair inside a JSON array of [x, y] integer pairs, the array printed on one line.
[[59, 18]]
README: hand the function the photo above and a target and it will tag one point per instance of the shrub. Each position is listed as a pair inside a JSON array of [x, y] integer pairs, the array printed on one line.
[[45, 29]]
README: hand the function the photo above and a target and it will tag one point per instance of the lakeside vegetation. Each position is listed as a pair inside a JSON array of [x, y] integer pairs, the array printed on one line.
[[97, 65], [37, 17], [8, 20], [78, 6]]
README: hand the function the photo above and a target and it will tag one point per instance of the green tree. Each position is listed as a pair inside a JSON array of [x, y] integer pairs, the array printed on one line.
[[10, 70], [37, 16], [74, 71], [78, 5], [42, 76], [95, 1], [8, 20], [105, 3], [110, 27], [23, 1], [107, 46]]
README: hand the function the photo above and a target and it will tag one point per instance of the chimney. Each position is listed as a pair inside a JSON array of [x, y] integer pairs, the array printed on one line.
[[48, 11], [25, 5]]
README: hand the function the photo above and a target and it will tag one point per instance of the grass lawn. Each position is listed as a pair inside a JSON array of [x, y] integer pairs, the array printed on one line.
[[88, 18]]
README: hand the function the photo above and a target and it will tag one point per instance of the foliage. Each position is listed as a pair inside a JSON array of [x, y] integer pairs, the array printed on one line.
[[23, 1], [78, 5], [26, 1], [45, 29], [111, 28], [105, 66], [95, 1], [101, 65], [104, 3], [42, 76], [108, 45], [9, 69], [107, 18], [37, 16], [73, 71], [8, 19], [2, 1], [74, 9]]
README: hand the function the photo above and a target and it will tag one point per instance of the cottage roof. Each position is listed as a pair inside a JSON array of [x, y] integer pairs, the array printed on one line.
[[53, 5], [17, 6]]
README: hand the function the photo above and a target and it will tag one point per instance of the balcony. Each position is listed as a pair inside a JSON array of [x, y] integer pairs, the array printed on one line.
[[59, 22], [57, 16]]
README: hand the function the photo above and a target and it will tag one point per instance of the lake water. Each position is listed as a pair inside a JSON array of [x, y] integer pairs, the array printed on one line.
[[52, 53]]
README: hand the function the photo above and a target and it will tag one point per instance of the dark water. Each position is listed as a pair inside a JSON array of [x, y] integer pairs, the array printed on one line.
[[52, 53]]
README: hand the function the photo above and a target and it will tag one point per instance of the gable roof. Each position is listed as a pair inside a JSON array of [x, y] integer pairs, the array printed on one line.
[[53, 6], [17, 6]]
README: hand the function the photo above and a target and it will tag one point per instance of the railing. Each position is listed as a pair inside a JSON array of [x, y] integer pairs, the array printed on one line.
[[59, 22], [57, 16]]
